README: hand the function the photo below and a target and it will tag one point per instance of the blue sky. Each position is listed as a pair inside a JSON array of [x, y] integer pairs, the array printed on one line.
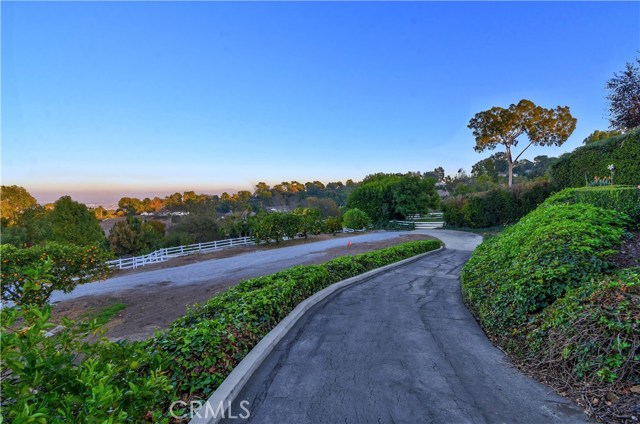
[[101, 100]]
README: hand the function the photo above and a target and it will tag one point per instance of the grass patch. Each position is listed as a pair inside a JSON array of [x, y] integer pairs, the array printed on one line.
[[105, 315]]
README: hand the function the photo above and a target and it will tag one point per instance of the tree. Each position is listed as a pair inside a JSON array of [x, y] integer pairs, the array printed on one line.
[[624, 98], [384, 197], [69, 266], [198, 228], [133, 236], [309, 221], [598, 135], [414, 195], [72, 222], [333, 224], [543, 127], [131, 205], [356, 219], [15, 199]]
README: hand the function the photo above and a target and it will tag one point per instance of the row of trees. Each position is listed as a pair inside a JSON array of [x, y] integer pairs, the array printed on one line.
[[286, 195]]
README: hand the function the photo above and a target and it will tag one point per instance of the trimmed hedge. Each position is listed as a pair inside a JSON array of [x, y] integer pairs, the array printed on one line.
[[521, 271], [624, 199], [210, 340], [495, 207], [578, 168]]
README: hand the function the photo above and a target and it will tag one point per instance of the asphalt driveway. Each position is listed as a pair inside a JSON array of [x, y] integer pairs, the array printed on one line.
[[398, 348]]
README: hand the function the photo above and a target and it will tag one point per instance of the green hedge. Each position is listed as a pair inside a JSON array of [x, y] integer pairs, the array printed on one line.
[[531, 264], [578, 168], [624, 199], [495, 207], [209, 341]]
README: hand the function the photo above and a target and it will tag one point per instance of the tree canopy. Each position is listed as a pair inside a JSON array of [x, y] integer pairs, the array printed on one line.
[[624, 98], [15, 200], [384, 197], [71, 222], [500, 126], [598, 135]]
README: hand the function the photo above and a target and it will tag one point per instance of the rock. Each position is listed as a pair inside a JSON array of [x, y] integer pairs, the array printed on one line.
[[612, 397], [635, 389]]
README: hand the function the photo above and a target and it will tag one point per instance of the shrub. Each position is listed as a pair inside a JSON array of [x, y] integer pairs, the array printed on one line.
[[356, 219], [592, 333], [70, 266], [495, 207], [62, 378], [578, 168], [624, 199], [333, 224], [531, 264]]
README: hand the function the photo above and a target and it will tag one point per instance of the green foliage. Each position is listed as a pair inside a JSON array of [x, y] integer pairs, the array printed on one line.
[[207, 343], [496, 207], [275, 226], [598, 135], [356, 219], [70, 266], [309, 221], [135, 237], [536, 261], [384, 197], [72, 222], [14, 200], [197, 228], [623, 199], [333, 224], [593, 332], [578, 168], [55, 376]]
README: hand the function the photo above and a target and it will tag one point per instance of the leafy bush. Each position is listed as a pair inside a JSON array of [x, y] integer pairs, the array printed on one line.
[[276, 226], [356, 219], [495, 207], [592, 333], [51, 376], [531, 264], [135, 237], [333, 224], [207, 343], [577, 168], [624, 199], [70, 266]]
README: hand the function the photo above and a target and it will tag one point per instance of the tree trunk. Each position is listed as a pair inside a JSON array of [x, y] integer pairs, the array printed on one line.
[[510, 173]]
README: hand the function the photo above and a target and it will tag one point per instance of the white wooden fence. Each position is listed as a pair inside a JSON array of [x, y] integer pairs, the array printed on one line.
[[174, 252]]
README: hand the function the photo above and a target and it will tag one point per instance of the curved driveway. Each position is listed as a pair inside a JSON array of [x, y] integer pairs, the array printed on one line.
[[247, 265], [398, 348]]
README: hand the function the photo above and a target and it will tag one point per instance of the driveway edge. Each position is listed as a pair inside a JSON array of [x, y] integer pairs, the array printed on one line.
[[222, 399]]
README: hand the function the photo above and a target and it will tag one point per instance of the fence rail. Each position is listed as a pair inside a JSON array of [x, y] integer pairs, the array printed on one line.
[[164, 254], [424, 222]]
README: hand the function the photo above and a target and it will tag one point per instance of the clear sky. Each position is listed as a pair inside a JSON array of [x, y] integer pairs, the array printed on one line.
[[101, 100]]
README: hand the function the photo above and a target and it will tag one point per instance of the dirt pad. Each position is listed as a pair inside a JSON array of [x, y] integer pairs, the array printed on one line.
[[150, 309]]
